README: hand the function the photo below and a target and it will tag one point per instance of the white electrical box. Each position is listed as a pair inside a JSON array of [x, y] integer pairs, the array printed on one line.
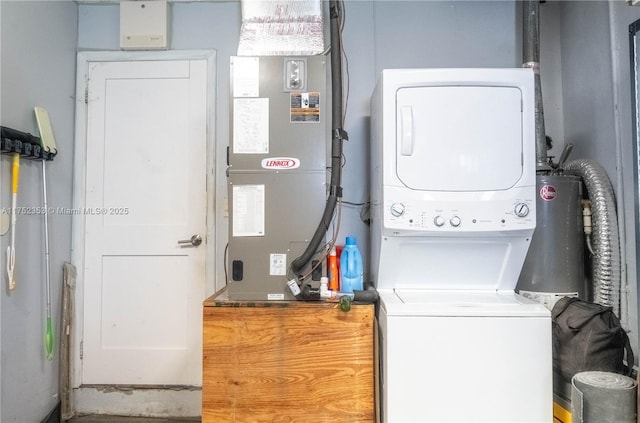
[[144, 25]]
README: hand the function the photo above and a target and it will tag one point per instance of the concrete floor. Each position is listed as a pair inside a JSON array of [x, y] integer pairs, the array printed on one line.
[[121, 419]]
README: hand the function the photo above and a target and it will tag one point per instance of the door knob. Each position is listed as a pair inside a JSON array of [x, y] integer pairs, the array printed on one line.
[[195, 240]]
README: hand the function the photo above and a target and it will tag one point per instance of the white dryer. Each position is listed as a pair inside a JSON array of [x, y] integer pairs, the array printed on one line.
[[453, 212]]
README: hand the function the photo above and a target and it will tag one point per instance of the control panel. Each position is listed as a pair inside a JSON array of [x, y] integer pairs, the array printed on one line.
[[465, 216]]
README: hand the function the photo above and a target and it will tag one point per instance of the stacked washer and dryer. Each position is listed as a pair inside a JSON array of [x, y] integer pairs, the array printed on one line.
[[453, 212]]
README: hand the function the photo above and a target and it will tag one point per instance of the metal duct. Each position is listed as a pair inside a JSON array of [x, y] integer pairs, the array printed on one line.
[[531, 59], [281, 28], [606, 242]]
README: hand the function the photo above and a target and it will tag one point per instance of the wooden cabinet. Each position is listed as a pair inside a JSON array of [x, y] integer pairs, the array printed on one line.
[[287, 361]]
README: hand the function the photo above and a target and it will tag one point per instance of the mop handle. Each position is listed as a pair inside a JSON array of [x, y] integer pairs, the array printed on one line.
[[48, 335]]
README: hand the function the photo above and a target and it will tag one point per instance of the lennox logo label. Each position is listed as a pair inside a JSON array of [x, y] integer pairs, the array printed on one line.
[[280, 163]]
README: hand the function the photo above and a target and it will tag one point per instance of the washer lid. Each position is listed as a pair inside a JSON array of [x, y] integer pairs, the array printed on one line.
[[459, 304]]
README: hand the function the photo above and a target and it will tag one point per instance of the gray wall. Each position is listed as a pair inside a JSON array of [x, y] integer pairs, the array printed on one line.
[[38, 68]]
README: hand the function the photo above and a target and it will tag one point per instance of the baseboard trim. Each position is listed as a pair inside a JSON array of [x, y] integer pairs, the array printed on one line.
[[138, 401], [53, 416]]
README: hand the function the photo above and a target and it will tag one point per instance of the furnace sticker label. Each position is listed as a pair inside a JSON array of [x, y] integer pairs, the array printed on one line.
[[277, 264], [305, 107], [250, 125], [246, 76], [248, 210]]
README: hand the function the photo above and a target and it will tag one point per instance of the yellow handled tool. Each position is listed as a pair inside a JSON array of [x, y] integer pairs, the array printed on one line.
[[16, 173], [11, 249]]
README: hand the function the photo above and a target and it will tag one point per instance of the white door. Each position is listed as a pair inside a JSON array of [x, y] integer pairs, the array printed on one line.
[[145, 190]]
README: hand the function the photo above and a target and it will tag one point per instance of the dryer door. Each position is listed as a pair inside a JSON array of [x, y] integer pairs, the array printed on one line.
[[459, 138]]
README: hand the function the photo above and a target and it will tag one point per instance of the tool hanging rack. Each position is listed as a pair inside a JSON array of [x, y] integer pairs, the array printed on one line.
[[27, 145]]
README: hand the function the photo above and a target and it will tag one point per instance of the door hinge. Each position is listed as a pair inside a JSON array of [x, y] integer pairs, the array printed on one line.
[[81, 350], [86, 95]]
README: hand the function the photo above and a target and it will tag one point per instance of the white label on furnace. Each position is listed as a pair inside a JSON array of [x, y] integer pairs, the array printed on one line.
[[250, 125], [248, 210], [277, 264], [275, 297], [246, 76]]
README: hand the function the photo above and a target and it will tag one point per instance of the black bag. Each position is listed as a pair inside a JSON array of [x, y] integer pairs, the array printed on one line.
[[587, 337]]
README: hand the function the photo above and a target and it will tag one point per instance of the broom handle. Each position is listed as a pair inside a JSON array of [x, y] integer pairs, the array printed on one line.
[[48, 338]]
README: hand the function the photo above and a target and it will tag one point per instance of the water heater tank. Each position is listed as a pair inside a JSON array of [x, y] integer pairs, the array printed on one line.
[[555, 261]]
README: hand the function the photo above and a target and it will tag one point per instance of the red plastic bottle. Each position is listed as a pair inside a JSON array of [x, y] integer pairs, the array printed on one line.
[[332, 270]]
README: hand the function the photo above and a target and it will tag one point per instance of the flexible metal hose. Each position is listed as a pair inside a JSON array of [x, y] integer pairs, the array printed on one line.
[[606, 242]]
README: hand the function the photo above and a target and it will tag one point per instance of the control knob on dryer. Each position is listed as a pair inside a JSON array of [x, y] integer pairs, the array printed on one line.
[[397, 209], [521, 209]]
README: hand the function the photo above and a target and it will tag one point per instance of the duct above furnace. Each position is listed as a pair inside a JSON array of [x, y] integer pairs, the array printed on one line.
[[277, 28]]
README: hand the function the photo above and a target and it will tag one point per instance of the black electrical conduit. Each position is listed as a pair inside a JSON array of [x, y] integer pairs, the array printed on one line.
[[307, 293], [338, 135]]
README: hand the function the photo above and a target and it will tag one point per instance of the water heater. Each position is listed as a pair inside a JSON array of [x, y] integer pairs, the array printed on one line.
[[453, 178]]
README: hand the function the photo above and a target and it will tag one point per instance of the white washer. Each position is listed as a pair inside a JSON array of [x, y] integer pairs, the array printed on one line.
[[464, 357]]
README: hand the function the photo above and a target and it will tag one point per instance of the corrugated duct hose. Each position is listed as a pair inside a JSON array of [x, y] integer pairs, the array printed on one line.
[[338, 135], [606, 241]]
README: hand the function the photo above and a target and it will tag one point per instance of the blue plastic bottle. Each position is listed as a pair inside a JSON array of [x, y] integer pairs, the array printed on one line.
[[351, 270]]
